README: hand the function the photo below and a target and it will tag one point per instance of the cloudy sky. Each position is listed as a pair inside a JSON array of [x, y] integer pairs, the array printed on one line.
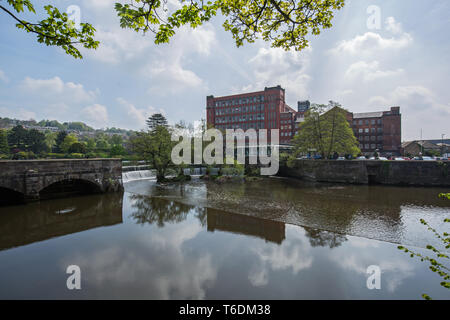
[[364, 63]]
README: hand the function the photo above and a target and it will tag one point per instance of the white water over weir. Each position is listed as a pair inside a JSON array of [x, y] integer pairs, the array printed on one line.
[[132, 173], [138, 175]]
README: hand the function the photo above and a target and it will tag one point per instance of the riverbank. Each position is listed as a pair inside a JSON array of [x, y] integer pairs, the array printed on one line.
[[400, 173]]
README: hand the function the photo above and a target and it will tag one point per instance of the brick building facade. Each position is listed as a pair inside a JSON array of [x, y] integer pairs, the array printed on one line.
[[268, 109], [378, 130], [255, 110]]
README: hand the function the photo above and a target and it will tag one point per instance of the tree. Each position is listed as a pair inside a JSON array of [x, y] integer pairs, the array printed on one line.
[[17, 138], [35, 141], [116, 140], [69, 140], [77, 147], [4, 147], [102, 144], [117, 150], [50, 139], [90, 144], [436, 261], [326, 131], [156, 120], [155, 145], [59, 140], [55, 30], [284, 23]]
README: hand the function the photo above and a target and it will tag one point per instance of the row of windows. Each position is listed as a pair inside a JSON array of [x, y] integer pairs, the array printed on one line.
[[245, 109], [244, 126], [286, 134], [235, 102], [373, 121], [286, 127], [369, 130], [372, 138], [251, 117]]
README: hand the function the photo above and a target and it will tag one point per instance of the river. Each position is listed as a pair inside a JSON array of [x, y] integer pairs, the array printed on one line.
[[268, 239]]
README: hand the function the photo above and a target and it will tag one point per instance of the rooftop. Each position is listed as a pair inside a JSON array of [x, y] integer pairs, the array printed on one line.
[[378, 114]]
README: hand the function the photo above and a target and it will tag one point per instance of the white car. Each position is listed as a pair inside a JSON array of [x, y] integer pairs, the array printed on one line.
[[428, 159], [399, 159], [383, 158], [361, 158]]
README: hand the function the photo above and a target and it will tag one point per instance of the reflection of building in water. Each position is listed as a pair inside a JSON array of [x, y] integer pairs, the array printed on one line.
[[268, 230], [23, 225]]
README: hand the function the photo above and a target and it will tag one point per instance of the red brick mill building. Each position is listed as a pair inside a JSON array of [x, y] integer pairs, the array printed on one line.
[[268, 110]]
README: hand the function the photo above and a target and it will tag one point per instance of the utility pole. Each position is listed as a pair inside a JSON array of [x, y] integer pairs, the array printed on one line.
[[442, 145]]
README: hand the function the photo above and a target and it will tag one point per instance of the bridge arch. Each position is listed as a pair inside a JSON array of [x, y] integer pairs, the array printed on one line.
[[9, 196], [69, 186]]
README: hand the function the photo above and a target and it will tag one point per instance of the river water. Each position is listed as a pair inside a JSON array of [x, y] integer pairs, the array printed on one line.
[[268, 239]]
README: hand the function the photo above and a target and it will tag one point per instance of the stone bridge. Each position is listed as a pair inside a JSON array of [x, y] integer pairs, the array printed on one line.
[[29, 180]]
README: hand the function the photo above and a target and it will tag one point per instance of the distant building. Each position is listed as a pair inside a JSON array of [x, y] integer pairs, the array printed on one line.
[[268, 110], [417, 147], [380, 131], [265, 109]]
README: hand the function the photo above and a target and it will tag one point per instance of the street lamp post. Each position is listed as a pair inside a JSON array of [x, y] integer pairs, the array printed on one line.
[[442, 145]]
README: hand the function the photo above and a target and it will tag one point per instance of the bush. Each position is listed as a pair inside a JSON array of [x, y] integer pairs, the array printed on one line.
[[76, 155]]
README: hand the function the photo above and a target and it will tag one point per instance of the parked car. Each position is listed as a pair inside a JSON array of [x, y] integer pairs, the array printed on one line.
[[428, 159], [399, 159], [340, 158], [361, 158], [383, 158]]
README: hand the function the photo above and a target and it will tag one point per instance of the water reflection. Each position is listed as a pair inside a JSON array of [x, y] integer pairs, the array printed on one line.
[[321, 238], [22, 225], [377, 212], [160, 211]]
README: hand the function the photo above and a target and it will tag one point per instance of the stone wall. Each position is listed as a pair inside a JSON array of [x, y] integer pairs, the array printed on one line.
[[31, 177], [407, 173]]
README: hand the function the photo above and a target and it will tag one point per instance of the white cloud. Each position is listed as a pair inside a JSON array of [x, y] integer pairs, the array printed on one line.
[[275, 66], [417, 103], [96, 115], [370, 71], [136, 117], [155, 267], [55, 89], [293, 253], [393, 26], [167, 72], [371, 42], [3, 77], [118, 45]]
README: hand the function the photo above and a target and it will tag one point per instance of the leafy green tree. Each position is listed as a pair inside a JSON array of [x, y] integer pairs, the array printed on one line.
[[102, 144], [116, 140], [17, 138], [284, 23], [77, 147], [59, 140], [327, 131], [117, 150], [90, 144], [156, 120], [55, 30], [4, 147], [50, 139], [69, 140], [35, 141], [155, 146]]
